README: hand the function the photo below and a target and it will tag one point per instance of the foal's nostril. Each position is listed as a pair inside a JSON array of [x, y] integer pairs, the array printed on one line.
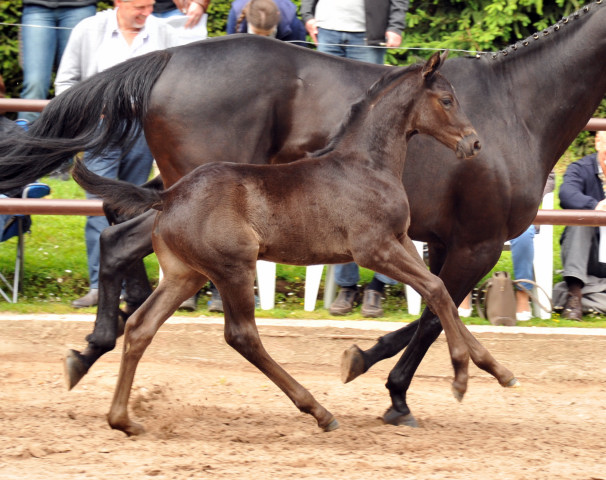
[[477, 146]]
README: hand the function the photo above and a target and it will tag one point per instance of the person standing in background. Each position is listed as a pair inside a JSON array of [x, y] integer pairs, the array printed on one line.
[[269, 18], [96, 44], [360, 30], [45, 30]]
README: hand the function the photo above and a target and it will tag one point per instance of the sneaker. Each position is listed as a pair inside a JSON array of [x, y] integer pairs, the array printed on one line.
[[89, 300], [572, 309], [344, 302], [523, 316], [371, 304]]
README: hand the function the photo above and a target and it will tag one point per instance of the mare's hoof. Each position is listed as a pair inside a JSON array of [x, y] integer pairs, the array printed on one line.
[[513, 383], [394, 417], [74, 368], [333, 425], [352, 364]]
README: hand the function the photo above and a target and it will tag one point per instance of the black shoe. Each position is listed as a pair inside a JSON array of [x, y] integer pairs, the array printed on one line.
[[573, 309], [371, 304], [89, 300], [344, 302]]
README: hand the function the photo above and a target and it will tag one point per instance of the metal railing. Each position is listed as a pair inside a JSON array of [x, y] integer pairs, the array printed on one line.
[[94, 207]]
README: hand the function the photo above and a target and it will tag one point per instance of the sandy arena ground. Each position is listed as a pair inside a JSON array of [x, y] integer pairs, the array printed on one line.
[[211, 415]]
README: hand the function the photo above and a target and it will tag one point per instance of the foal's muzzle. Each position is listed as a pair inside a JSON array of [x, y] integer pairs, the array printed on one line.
[[468, 147]]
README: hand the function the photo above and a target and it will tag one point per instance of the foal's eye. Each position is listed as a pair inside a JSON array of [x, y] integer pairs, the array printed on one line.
[[446, 101]]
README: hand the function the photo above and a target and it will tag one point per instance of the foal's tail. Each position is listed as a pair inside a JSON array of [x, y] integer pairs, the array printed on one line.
[[72, 122], [122, 197]]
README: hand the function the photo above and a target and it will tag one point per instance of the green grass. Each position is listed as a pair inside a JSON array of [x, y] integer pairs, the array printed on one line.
[[56, 273]]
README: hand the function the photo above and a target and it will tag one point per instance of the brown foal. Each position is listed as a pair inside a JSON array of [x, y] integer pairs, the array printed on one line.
[[344, 203]]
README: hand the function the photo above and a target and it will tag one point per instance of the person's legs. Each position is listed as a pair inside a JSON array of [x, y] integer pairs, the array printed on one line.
[[106, 165], [356, 48], [66, 19], [347, 276], [576, 245], [522, 255], [136, 165], [38, 44], [331, 42]]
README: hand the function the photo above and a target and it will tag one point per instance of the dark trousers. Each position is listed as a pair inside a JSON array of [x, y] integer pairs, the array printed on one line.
[[580, 253]]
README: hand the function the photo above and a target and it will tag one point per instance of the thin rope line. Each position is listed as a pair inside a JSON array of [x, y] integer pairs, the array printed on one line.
[[402, 48]]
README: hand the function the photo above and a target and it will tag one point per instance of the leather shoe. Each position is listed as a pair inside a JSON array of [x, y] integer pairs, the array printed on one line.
[[573, 309], [371, 304], [89, 300], [344, 302]]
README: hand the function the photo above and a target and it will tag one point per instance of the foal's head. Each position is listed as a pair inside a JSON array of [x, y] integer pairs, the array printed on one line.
[[437, 112]]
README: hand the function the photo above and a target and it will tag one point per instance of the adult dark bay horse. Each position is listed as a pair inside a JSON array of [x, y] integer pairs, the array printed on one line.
[[251, 100], [283, 213]]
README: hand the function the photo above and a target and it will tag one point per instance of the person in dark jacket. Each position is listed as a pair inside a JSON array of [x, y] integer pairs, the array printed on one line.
[[46, 26], [273, 18], [358, 29], [583, 188]]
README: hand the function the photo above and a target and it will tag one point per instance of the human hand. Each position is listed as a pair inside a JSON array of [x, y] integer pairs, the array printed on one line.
[[194, 14], [312, 29], [392, 39], [601, 205]]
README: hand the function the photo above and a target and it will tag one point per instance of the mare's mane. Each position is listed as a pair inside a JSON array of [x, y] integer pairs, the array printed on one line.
[[552, 30], [363, 104]]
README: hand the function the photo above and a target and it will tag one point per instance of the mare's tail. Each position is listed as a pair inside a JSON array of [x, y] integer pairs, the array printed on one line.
[[71, 122], [122, 197]]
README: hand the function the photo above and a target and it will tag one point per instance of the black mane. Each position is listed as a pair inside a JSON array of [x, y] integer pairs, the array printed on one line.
[[359, 107]]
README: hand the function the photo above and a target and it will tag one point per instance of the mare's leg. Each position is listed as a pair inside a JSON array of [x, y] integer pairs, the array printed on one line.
[[121, 245], [402, 262], [236, 289], [179, 283], [456, 270]]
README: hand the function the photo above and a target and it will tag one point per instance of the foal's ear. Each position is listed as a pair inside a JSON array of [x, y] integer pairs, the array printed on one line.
[[433, 64]]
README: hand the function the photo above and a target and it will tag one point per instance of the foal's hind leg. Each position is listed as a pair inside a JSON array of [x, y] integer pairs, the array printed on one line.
[[140, 329], [241, 333]]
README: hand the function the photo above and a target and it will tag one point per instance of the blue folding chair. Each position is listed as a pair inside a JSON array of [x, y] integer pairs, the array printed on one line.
[[17, 226]]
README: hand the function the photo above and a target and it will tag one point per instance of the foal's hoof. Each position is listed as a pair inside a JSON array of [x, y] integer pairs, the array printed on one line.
[[130, 428], [74, 368], [513, 383], [352, 364], [458, 394], [394, 417], [332, 425]]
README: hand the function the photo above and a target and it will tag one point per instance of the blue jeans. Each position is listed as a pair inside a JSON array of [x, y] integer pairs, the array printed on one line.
[[42, 46], [522, 256], [349, 45], [135, 168], [170, 13], [347, 274]]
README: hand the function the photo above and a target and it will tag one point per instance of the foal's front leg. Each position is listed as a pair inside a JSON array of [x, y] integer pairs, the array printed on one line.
[[241, 333]]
